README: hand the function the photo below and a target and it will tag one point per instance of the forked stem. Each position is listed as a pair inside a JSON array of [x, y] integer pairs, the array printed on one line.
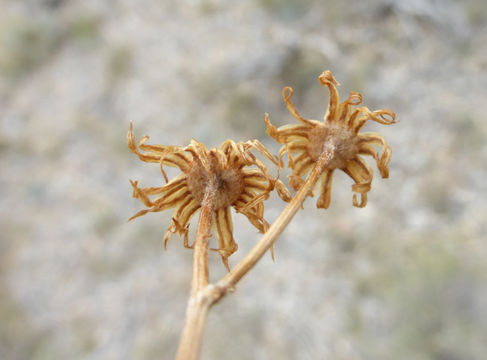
[[203, 296]]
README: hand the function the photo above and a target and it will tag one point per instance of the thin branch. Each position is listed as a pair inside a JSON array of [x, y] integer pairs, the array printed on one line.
[[231, 279]]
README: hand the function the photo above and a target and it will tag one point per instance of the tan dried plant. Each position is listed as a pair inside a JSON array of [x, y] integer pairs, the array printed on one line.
[[214, 181], [241, 180], [307, 142]]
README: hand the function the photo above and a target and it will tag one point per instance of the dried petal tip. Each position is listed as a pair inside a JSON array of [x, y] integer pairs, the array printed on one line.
[[243, 182], [305, 143], [327, 77]]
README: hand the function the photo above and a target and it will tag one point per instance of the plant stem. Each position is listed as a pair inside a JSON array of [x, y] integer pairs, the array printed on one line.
[[192, 336], [203, 296], [198, 304], [230, 280]]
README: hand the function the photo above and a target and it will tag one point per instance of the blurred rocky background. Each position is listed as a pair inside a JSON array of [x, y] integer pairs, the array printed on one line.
[[404, 278]]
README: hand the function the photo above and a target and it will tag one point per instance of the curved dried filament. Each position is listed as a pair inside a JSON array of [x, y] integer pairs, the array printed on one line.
[[362, 174], [327, 79], [354, 99], [287, 93], [366, 149], [384, 116], [224, 234], [325, 194], [385, 158]]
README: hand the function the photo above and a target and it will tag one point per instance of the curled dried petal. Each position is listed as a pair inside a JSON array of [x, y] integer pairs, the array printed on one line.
[[287, 93]]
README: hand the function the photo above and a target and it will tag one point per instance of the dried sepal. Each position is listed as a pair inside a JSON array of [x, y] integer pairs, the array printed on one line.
[[304, 143], [242, 180]]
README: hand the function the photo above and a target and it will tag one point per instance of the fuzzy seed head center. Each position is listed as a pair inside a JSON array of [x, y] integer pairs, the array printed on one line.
[[229, 184], [344, 140]]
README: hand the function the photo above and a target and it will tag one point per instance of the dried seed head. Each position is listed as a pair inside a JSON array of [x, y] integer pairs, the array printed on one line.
[[306, 142], [242, 182]]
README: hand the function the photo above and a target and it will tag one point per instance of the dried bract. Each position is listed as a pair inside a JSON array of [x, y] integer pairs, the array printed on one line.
[[242, 181], [306, 142]]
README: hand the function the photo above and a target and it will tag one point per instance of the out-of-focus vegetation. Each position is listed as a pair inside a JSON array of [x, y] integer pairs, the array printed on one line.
[[25, 44], [403, 278]]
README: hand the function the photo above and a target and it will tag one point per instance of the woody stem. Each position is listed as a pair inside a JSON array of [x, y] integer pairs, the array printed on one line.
[[198, 304]]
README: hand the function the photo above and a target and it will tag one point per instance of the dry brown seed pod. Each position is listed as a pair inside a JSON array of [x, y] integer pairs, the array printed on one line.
[[305, 143], [242, 181]]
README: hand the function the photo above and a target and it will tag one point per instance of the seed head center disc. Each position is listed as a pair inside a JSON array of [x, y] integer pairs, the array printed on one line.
[[342, 138], [228, 182]]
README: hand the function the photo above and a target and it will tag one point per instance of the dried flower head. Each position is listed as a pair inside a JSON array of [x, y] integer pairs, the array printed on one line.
[[305, 143], [242, 182]]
